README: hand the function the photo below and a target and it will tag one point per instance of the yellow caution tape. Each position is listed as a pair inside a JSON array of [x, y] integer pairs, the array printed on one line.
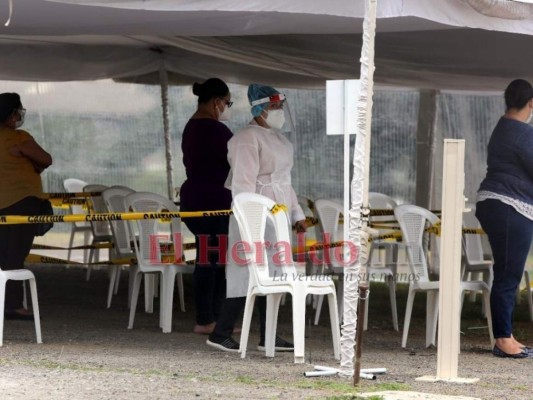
[[278, 207]]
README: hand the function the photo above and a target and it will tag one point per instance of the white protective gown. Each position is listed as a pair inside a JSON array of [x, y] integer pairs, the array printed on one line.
[[261, 161]]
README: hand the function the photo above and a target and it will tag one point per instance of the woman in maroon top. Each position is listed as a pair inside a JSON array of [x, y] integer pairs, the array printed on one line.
[[204, 146]]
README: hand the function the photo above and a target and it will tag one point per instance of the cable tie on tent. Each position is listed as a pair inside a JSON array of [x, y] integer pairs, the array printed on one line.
[[10, 13]]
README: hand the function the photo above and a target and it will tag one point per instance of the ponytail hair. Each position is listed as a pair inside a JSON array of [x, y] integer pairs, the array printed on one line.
[[211, 88]]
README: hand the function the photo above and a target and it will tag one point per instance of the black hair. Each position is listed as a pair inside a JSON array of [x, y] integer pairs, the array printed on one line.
[[211, 88], [9, 102], [518, 93]]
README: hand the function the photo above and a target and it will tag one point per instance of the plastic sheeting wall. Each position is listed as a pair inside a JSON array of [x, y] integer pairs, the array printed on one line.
[[111, 133]]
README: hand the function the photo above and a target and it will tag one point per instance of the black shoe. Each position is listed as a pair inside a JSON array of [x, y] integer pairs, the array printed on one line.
[[281, 345], [19, 316], [500, 353], [224, 344]]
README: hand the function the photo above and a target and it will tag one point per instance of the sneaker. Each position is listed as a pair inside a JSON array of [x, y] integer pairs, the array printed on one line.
[[281, 345], [224, 344]]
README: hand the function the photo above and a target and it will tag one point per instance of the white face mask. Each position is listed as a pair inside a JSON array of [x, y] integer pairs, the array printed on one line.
[[275, 119], [225, 115], [530, 117]]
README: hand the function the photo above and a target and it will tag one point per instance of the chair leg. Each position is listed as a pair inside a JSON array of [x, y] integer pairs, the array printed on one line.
[[149, 284], [335, 326], [273, 303], [89, 266], [486, 296], [246, 321], [407, 319], [2, 305], [529, 294], [181, 291], [340, 297], [70, 242], [298, 325], [117, 280], [35, 306], [393, 308], [365, 322], [137, 278], [432, 312], [86, 240], [167, 297], [318, 308], [112, 280], [24, 295]]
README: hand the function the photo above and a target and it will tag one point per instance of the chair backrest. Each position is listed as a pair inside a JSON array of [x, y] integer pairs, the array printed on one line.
[[152, 232], [328, 213], [251, 212], [96, 204], [308, 208], [114, 200], [379, 201], [472, 245], [73, 185], [413, 221]]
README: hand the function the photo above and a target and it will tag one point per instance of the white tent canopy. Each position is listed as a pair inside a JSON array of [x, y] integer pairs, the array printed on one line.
[[300, 43]]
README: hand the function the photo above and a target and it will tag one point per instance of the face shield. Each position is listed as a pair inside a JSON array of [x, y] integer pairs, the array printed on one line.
[[277, 110]]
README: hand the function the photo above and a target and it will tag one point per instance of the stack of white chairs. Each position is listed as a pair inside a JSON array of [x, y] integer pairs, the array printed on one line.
[[474, 263], [413, 221], [147, 235], [389, 268], [101, 230], [114, 201], [73, 185], [252, 211]]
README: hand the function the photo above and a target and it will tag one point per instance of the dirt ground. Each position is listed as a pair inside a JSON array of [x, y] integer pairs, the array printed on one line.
[[89, 354]]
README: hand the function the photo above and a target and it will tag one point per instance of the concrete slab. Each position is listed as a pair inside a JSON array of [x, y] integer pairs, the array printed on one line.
[[397, 395]]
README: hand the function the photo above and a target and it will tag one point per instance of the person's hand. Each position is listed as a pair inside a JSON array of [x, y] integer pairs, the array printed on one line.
[[300, 226], [364, 249]]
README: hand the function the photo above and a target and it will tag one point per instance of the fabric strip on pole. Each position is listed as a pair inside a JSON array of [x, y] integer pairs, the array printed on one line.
[[163, 75], [359, 188]]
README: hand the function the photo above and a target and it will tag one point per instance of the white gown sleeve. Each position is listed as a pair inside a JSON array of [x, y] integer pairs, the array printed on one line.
[[243, 157], [297, 213]]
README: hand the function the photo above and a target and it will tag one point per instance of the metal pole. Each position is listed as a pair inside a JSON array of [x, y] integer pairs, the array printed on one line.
[[363, 292]]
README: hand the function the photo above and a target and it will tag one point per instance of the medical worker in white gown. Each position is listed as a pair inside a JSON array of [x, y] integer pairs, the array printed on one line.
[[261, 159]]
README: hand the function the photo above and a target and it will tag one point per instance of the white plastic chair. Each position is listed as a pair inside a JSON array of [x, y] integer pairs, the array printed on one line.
[[388, 269], [113, 198], [100, 229], [251, 211], [413, 221], [73, 185], [19, 275], [151, 233], [328, 213], [474, 262]]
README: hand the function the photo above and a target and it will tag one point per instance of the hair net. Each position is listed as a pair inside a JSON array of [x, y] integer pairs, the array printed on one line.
[[257, 92]]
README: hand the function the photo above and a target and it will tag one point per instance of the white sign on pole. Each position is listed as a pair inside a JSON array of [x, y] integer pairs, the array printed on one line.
[[341, 106]]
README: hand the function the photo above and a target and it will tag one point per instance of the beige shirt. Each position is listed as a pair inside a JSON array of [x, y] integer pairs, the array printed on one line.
[[18, 178]]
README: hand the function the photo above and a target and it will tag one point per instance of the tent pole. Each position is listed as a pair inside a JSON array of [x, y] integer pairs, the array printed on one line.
[[425, 147], [163, 79], [354, 271]]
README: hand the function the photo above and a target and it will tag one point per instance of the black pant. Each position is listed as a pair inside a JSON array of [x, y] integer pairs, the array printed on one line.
[[209, 279], [232, 309], [15, 244]]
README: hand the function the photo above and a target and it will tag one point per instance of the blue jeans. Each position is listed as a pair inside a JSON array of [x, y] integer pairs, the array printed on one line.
[[510, 234]]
